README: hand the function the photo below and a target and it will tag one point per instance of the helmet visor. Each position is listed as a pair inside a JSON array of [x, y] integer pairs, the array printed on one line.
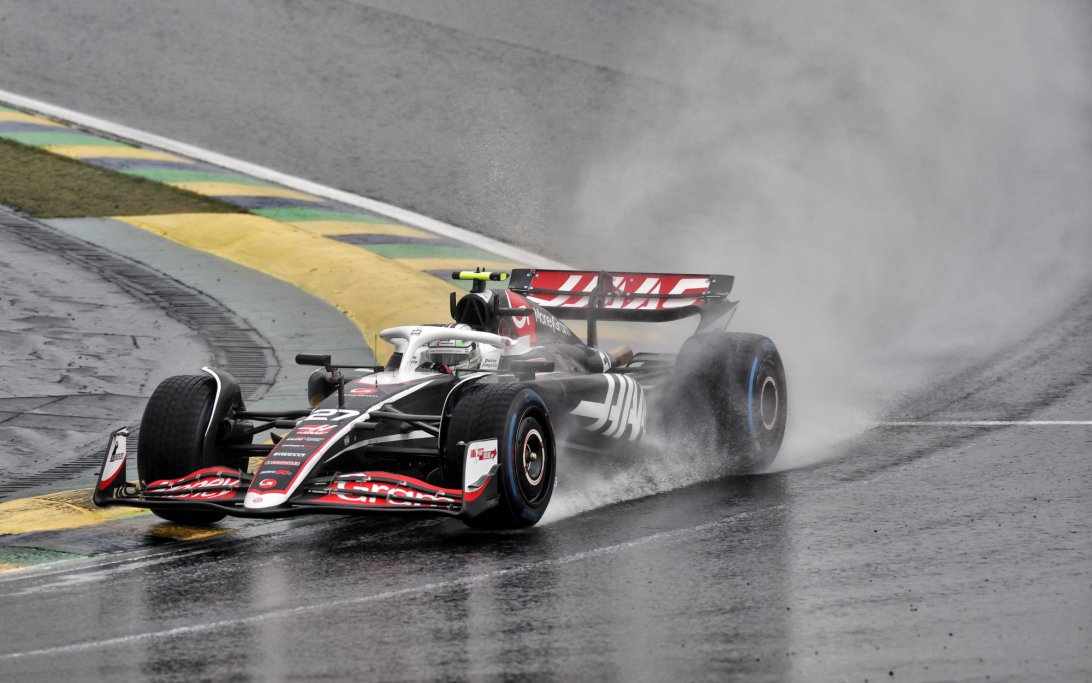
[[449, 357]]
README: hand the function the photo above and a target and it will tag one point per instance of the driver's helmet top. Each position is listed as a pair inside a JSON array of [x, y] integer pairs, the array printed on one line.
[[454, 354]]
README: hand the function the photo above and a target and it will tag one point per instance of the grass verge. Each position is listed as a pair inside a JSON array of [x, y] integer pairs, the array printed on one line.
[[50, 186]]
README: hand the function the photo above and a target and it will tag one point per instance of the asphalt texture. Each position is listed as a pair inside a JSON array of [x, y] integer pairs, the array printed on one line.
[[80, 354], [932, 553]]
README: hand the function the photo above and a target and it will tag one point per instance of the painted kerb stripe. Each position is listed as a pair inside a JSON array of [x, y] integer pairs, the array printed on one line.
[[497, 247]]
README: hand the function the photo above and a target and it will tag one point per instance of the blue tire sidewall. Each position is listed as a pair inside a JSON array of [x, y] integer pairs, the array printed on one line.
[[526, 402]]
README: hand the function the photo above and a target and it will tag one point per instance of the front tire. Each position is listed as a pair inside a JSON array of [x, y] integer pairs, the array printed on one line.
[[172, 439], [527, 461]]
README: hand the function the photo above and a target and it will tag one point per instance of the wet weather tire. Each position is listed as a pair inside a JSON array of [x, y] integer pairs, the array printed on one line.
[[730, 390], [172, 438], [518, 418]]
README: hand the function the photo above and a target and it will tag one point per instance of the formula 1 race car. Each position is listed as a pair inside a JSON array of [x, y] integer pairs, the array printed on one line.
[[465, 419]]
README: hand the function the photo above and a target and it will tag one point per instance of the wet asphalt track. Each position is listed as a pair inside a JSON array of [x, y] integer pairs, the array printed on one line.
[[922, 553]]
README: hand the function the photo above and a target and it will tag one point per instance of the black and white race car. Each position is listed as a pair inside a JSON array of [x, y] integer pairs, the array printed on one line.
[[465, 419]]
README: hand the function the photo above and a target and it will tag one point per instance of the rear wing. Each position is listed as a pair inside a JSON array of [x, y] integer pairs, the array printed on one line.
[[634, 297]]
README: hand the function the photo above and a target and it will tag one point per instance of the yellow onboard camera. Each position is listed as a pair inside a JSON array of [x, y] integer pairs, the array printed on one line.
[[479, 278]]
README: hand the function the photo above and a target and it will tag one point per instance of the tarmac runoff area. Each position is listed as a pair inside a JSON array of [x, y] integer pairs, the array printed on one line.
[[285, 316], [78, 354]]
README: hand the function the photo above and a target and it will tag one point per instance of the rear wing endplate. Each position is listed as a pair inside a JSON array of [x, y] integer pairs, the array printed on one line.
[[634, 297]]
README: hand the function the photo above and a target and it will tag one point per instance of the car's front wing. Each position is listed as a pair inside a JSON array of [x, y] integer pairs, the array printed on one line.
[[224, 489]]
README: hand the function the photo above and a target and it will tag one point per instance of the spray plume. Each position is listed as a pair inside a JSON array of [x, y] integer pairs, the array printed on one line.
[[900, 189]]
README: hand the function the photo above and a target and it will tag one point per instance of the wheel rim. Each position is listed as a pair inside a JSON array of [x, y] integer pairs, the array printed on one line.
[[534, 457], [533, 460], [769, 404]]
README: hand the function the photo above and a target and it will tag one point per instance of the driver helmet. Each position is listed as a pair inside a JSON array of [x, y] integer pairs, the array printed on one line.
[[454, 354]]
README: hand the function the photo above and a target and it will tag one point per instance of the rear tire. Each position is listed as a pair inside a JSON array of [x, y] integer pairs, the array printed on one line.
[[730, 391], [172, 438], [518, 418]]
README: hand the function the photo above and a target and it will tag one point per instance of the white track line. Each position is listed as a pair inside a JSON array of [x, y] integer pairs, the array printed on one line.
[[497, 247], [986, 423], [287, 612]]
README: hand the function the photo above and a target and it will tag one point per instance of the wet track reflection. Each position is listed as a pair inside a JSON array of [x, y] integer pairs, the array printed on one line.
[[519, 603], [637, 590]]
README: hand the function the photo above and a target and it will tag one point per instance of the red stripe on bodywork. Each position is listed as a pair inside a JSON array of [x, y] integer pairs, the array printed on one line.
[[103, 485], [471, 496]]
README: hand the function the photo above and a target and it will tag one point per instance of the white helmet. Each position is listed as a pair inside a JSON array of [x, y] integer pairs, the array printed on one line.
[[454, 354]]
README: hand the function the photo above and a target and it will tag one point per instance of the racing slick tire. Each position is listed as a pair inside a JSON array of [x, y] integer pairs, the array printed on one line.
[[730, 389], [526, 454], [172, 440]]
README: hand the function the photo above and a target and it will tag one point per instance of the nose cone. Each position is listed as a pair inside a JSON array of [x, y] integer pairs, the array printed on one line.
[[256, 500]]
